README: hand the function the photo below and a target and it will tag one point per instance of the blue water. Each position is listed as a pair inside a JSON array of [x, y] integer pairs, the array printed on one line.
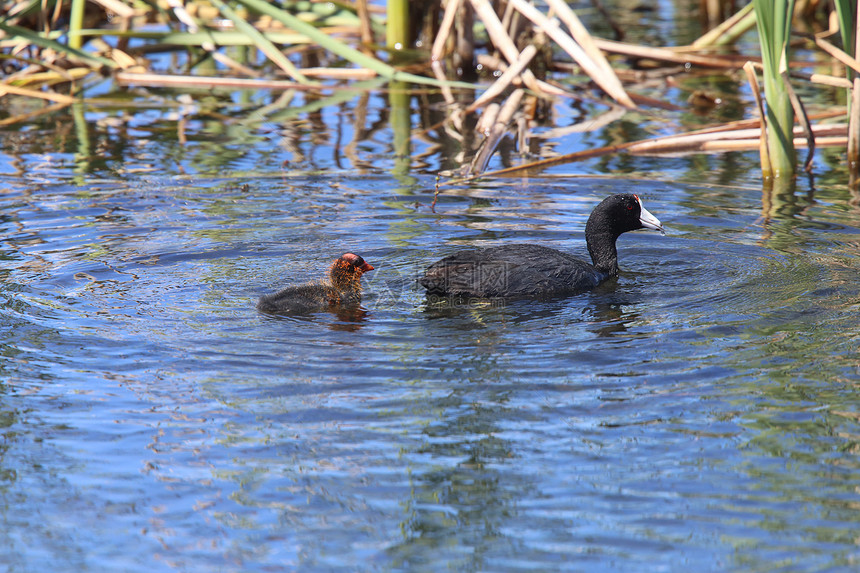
[[700, 412]]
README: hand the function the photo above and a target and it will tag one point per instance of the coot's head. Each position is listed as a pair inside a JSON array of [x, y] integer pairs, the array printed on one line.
[[621, 213], [615, 215], [346, 271]]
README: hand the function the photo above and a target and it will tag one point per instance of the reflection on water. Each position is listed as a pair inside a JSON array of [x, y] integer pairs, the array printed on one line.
[[701, 408], [347, 318]]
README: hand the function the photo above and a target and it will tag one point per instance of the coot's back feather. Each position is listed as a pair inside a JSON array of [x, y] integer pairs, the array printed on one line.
[[306, 298], [510, 271]]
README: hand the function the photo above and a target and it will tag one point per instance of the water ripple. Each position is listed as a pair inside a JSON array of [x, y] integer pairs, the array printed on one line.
[[144, 395]]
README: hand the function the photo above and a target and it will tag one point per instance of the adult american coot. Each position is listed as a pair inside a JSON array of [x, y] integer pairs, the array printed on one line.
[[343, 289], [520, 271]]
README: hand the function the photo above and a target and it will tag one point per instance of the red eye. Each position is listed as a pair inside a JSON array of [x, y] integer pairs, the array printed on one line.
[[629, 207]]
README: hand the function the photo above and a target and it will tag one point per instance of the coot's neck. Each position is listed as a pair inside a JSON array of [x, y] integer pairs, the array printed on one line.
[[345, 279], [601, 245]]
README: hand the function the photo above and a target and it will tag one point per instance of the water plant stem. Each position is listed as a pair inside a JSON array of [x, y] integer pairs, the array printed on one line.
[[76, 22], [397, 26], [774, 25]]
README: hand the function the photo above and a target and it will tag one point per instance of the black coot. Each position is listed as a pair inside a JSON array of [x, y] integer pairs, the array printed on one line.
[[342, 289], [519, 271]]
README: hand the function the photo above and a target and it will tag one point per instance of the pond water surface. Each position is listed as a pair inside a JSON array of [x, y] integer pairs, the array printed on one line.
[[699, 412]]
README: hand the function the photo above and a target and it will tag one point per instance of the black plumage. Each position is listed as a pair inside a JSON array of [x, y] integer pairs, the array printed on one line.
[[522, 270]]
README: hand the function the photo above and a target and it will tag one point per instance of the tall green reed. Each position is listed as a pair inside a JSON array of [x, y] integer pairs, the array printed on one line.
[[846, 11], [397, 26], [773, 18]]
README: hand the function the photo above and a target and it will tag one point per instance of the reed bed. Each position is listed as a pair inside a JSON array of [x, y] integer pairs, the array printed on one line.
[[54, 50]]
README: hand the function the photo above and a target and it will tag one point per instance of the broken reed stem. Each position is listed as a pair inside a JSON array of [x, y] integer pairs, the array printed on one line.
[[50, 96], [438, 50], [496, 131], [823, 79], [365, 28], [732, 139], [727, 32], [546, 89], [840, 55], [854, 110], [497, 87], [213, 82], [601, 75], [674, 145], [581, 35], [854, 133], [764, 152], [667, 55], [488, 119], [501, 39]]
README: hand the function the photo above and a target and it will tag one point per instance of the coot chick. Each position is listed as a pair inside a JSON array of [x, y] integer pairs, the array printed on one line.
[[523, 271], [342, 289]]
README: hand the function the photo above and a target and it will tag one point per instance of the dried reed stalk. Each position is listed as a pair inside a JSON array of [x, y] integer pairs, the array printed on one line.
[[853, 147], [736, 25], [50, 96], [746, 139], [840, 55], [119, 8], [163, 80], [854, 132], [667, 55], [501, 39], [602, 75], [438, 49], [547, 89], [488, 119], [339, 73], [702, 141], [496, 88], [751, 145], [824, 79], [496, 132], [581, 35], [365, 29], [764, 151]]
